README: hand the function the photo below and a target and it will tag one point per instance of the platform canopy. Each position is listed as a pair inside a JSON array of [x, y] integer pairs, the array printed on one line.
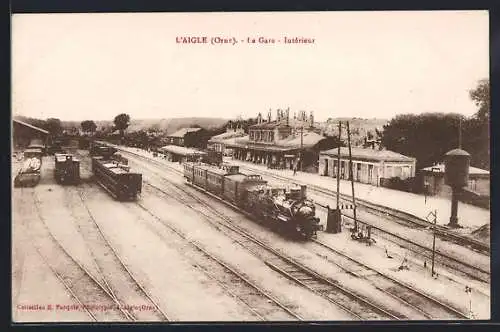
[[180, 150]]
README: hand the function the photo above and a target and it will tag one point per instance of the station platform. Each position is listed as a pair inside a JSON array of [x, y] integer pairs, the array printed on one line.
[[470, 217]]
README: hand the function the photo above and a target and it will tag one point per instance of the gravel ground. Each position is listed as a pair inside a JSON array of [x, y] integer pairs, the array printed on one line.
[[181, 290], [438, 288], [442, 288], [420, 236], [32, 280]]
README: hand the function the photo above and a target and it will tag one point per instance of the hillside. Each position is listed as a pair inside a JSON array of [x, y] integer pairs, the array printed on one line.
[[165, 125]]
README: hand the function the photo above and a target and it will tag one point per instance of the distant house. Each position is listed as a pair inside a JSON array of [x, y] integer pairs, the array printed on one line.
[[182, 137], [370, 166], [433, 177]]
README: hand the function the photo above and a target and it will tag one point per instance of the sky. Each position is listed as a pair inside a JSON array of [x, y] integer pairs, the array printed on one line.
[[361, 64]]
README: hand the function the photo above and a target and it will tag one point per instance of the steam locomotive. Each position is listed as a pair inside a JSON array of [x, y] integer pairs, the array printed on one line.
[[286, 208]]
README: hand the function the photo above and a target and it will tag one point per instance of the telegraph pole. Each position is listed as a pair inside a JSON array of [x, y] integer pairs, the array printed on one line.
[[352, 177], [301, 145], [434, 215], [338, 168]]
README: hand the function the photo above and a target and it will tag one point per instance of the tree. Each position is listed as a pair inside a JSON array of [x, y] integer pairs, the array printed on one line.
[[88, 126], [476, 130], [121, 122], [427, 137], [54, 126], [481, 97]]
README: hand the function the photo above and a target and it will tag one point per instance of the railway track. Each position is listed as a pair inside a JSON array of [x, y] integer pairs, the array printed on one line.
[[429, 306], [400, 216], [445, 260], [92, 296], [116, 270], [353, 304], [262, 304], [396, 288]]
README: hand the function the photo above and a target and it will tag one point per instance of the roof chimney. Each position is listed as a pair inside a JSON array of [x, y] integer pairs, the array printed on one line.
[[259, 118], [269, 116], [278, 118], [311, 120], [288, 116]]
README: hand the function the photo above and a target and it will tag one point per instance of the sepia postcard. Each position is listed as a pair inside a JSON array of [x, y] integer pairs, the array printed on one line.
[[251, 167]]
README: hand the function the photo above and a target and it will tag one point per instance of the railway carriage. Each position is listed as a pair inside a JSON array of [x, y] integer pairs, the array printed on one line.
[[67, 169], [189, 171], [200, 176], [215, 180], [116, 178]]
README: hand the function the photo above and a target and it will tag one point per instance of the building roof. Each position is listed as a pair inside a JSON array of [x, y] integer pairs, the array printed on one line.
[[181, 150], [369, 154], [183, 131], [439, 168], [30, 126], [224, 136], [309, 139], [270, 125]]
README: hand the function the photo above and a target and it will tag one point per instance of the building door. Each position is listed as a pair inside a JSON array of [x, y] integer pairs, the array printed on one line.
[[370, 173], [326, 167]]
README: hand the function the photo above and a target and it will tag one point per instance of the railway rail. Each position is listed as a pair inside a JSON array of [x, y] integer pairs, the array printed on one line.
[[443, 259], [262, 304], [354, 304], [429, 306], [396, 289], [92, 296], [407, 218], [121, 271]]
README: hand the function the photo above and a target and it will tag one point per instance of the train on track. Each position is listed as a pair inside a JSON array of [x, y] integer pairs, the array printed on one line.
[[29, 173], [116, 178], [286, 208], [67, 169]]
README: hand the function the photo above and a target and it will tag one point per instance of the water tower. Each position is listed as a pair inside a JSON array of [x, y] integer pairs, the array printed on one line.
[[457, 163]]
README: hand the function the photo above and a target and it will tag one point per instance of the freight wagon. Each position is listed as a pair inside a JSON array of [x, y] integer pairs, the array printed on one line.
[[116, 178]]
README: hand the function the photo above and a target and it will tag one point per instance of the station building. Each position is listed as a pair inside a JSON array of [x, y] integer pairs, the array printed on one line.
[[181, 136], [370, 166], [219, 142], [176, 153], [281, 143]]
